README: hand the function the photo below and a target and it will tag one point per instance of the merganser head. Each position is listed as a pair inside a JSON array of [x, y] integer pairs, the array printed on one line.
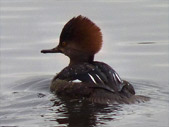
[[80, 39]]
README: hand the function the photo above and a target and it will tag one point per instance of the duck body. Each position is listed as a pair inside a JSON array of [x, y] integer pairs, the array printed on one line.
[[96, 82], [85, 78]]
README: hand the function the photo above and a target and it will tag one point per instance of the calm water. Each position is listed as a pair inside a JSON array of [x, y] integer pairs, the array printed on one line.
[[136, 45]]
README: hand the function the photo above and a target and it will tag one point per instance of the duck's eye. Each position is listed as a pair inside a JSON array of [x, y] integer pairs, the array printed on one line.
[[63, 44]]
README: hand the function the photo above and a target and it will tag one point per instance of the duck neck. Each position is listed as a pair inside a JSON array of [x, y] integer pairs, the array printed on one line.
[[81, 58]]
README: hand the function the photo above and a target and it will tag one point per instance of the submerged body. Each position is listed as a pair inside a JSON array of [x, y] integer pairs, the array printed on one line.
[[85, 78]]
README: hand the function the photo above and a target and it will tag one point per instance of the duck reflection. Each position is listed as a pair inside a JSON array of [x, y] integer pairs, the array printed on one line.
[[81, 113]]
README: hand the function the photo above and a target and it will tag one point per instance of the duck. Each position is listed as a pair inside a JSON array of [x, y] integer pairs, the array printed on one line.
[[84, 78]]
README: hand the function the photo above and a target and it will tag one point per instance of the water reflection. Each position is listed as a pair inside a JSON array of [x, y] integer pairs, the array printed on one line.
[[77, 113], [32, 96]]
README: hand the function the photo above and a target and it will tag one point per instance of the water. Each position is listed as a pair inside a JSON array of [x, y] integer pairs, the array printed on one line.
[[135, 34]]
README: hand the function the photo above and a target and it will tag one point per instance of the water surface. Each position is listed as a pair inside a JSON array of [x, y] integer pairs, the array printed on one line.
[[135, 34]]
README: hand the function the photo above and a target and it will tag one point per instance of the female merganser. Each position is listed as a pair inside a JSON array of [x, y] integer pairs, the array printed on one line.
[[85, 78]]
